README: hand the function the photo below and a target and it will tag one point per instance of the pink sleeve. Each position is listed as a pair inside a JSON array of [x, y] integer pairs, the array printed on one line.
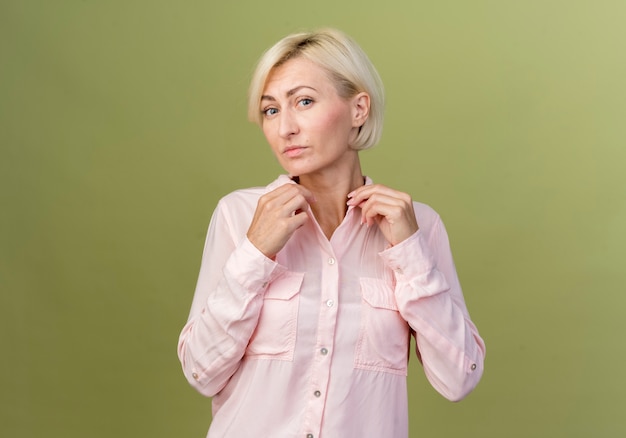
[[430, 299], [226, 306]]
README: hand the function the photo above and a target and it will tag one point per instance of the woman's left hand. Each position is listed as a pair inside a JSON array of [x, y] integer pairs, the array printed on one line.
[[390, 209]]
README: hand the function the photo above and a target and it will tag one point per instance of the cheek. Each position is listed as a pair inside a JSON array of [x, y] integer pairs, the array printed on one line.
[[269, 134], [336, 121], [273, 139]]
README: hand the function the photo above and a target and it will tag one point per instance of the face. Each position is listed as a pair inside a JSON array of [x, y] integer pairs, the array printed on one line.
[[307, 124]]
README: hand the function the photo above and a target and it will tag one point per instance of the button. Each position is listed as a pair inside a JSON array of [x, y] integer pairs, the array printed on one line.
[[317, 393], [309, 435], [195, 376], [473, 367], [324, 351], [331, 261], [264, 285], [330, 303]]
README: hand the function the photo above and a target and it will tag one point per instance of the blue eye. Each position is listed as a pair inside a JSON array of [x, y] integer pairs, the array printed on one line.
[[270, 111], [305, 102]]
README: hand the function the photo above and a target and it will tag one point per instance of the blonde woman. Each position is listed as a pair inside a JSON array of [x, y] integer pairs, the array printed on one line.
[[310, 287]]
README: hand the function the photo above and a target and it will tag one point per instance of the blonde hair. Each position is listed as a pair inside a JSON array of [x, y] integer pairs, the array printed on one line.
[[347, 64]]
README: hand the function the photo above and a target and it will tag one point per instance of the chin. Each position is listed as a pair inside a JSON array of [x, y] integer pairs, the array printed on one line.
[[297, 170]]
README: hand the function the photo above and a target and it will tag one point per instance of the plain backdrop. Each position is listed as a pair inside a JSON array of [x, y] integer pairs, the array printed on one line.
[[123, 122]]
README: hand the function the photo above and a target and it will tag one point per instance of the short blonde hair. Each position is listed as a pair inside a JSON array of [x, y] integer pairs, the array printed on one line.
[[347, 65]]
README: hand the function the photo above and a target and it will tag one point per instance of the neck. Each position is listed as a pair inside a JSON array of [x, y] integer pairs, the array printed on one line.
[[331, 194]]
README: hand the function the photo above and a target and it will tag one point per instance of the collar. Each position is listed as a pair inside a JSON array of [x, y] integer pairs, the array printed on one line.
[[286, 179]]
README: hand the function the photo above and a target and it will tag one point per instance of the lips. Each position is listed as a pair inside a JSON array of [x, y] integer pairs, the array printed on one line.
[[293, 151]]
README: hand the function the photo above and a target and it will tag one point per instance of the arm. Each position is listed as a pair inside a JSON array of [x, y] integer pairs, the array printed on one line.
[[226, 306], [236, 268], [430, 299], [428, 292]]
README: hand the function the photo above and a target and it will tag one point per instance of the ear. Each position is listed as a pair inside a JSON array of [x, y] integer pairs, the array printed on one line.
[[360, 109]]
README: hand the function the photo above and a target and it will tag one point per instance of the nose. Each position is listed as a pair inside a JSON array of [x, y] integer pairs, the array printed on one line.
[[288, 124]]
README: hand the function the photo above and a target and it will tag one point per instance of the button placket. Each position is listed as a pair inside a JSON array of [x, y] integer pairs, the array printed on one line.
[[320, 370]]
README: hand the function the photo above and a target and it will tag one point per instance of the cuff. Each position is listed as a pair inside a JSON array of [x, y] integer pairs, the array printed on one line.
[[251, 268], [414, 265]]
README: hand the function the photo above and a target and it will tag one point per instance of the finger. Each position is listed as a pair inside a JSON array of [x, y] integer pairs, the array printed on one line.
[[270, 234], [295, 205], [365, 192], [286, 199], [298, 220], [389, 208], [293, 189]]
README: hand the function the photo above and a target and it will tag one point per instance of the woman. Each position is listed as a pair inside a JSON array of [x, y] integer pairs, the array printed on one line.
[[311, 287]]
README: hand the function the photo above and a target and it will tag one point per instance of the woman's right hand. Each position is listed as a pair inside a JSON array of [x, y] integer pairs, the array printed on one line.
[[278, 215]]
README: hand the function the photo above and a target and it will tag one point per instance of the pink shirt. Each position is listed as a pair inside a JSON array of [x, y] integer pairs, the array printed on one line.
[[316, 343]]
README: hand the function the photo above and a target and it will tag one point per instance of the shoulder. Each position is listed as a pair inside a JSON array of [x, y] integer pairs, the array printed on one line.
[[241, 197], [247, 198], [427, 217], [233, 213]]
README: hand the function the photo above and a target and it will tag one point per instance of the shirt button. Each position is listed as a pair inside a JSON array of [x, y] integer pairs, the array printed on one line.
[[331, 261], [473, 367], [195, 376], [330, 303], [324, 351], [317, 393], [309, 435]]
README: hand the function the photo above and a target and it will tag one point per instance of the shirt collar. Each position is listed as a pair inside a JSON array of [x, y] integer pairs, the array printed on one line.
[[286, 179]]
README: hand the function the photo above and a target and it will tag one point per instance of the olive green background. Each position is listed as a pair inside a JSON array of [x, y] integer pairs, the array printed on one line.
[[123, 122]]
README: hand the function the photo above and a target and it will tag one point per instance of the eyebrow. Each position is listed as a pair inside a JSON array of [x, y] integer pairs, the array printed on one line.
[[289, 93]]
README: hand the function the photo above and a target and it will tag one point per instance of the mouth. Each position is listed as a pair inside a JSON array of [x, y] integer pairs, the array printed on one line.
[[293, 151]]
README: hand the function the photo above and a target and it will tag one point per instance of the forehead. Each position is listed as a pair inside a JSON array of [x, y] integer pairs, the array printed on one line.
[[296, 72]]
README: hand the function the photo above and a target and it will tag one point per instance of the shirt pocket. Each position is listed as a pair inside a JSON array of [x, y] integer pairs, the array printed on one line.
[[384, 336], [275, 334]]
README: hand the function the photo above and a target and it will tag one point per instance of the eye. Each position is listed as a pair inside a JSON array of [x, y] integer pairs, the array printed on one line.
[[305, 101], [268, 112]]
